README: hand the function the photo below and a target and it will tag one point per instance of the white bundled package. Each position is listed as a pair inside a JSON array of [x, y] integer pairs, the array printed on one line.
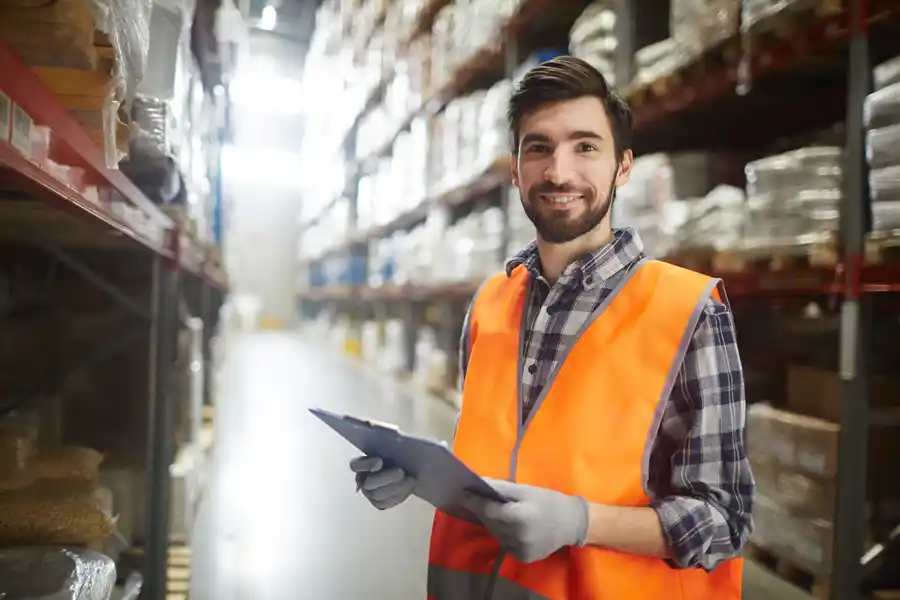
[[40, 573], [593, 38], [887, 73], [162, 105], [714, 221], [793, 198], [659, 60], [698, 25]]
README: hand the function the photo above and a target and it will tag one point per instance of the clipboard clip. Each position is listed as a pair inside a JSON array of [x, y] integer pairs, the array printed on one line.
[[372, 423]]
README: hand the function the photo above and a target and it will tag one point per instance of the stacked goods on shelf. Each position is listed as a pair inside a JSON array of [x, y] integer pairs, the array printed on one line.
[[51, 495], [593, 38], [794, 456], [656, 61], [469, 136], [882, 119], [90, 54], [383, 343], [699, 25], [174, 151], [469, 250], [663, 189], [398, 182], [432, 364], [762, 14], [793, 198], [56, 573], [715, 221]]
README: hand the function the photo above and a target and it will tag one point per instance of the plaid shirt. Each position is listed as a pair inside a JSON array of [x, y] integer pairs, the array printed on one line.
[[699, 474]]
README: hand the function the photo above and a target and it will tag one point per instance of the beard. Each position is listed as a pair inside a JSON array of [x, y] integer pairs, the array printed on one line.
[[557, 226]]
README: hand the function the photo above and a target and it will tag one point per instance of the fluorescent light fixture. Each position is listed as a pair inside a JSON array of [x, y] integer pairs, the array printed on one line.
[[269, 18]]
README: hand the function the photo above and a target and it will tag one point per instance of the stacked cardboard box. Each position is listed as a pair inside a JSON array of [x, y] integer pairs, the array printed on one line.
[[89, 53], [794, 453]]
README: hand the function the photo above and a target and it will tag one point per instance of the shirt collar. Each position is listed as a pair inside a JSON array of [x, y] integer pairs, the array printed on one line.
[[593, 268]]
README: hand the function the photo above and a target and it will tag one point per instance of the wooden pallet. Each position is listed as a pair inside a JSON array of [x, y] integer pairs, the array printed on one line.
[[784, 567], [178, 573], [787, 23], [819, 254], [882, 246]]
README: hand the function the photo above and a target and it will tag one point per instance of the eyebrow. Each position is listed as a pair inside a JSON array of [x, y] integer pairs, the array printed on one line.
[[575, 135]]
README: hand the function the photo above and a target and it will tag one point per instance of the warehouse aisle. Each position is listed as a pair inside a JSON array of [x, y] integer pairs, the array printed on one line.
[[282, 520]]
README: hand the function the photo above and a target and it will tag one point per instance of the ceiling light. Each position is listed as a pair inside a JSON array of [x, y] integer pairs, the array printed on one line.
[[269, 17]]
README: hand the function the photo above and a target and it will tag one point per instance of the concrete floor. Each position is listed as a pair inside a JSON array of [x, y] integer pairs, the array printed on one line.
[[282, 520]]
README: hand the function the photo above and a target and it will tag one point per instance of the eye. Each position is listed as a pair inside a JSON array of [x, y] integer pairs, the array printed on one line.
[[537, 149], [585, 147]]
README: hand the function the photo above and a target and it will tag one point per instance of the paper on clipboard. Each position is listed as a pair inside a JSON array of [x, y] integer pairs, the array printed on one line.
[[441, 478]]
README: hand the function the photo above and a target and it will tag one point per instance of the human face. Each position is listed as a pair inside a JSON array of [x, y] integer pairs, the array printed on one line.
[[567, 169]]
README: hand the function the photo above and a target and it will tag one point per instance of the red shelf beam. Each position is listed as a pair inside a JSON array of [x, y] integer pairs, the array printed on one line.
[[26, 90]]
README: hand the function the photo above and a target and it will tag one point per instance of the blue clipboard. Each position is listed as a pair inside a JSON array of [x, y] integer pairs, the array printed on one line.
[[441, 478]]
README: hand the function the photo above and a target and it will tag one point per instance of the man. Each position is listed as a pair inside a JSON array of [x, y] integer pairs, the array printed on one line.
[[603, 392]]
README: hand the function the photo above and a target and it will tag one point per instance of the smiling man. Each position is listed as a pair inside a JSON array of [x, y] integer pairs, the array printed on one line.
[[602, 390]]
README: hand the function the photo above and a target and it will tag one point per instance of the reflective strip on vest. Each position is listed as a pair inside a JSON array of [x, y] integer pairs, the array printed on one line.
[[450, 584]]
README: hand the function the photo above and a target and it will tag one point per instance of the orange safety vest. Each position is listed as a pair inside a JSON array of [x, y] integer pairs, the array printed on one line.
[[589, 434]]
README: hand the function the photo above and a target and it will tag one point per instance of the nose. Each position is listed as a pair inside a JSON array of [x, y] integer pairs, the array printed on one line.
[[558, 169]]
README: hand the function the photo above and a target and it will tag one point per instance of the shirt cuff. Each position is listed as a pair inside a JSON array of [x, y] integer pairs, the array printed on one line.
[[697, 535]]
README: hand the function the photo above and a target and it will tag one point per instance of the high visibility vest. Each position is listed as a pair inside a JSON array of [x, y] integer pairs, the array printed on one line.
[[589, 433]]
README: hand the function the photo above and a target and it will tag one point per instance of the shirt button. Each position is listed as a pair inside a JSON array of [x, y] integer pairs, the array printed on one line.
[[532, 368], [551, 310]]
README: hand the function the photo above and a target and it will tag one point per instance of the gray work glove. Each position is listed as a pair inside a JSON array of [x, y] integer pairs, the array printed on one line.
[[384, 488], [535, 523]]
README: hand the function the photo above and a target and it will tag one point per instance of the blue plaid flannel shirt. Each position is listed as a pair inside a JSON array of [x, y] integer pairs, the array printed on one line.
[[699, 473]]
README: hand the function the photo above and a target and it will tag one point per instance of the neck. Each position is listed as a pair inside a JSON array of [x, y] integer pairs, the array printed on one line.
[[556, 257]]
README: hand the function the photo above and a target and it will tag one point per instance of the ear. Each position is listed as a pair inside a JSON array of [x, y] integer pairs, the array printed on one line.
[[514, 169], [625, 166]]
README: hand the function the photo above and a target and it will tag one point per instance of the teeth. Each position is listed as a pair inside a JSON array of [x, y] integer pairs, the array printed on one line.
[[561, 199]]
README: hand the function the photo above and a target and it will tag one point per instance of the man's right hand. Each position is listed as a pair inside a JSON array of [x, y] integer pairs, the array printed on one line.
[[384, 488]]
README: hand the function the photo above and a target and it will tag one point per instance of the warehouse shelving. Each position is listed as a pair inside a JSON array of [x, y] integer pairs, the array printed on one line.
[[817, 74], [126, 246]]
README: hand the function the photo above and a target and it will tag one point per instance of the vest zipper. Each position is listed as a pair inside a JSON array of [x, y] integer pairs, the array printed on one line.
[[492, 578]]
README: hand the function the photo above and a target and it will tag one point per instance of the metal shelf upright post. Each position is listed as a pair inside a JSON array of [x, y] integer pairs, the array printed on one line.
[[849, 529], [163, 343]]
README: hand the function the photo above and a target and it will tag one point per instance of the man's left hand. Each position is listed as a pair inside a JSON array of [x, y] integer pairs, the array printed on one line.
[[535, 523]]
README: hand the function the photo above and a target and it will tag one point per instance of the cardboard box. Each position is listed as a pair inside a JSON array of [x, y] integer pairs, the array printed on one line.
[[817, 392], [806, 542], [57, 34]]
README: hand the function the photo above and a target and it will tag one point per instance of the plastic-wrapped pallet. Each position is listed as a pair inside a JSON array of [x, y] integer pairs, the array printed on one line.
[[593, 38], [659, 60], [653, 201], [714, 221], [698, 25], [493, 138], [162, 105], [754, 11], [56, 574], [882, 121], [887, 73], [793, 198]]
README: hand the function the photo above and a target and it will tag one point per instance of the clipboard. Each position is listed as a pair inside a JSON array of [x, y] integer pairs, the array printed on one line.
[[441, 478]]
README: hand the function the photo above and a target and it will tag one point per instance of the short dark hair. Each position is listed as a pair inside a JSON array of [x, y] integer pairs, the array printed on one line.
[[568, 78]]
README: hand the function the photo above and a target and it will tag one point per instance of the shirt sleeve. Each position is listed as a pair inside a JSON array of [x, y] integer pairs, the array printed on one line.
[[699, 473]]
